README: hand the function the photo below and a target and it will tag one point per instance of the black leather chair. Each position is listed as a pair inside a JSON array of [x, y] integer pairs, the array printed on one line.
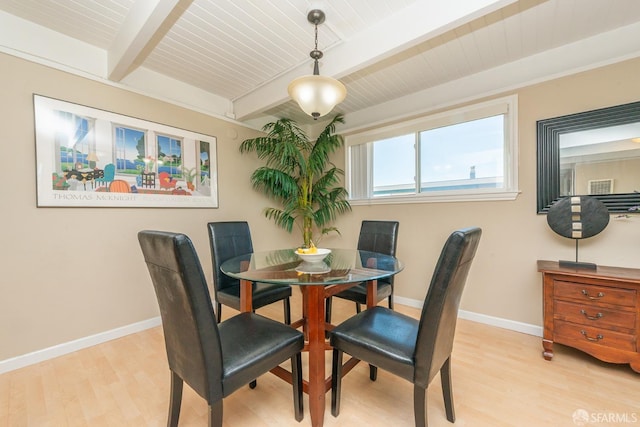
[[228, 240], [375, 236], [415, 350], [213, 359]]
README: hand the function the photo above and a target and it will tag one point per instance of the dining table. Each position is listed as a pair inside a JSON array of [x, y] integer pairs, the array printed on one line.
[[85, 176], [339, 270]]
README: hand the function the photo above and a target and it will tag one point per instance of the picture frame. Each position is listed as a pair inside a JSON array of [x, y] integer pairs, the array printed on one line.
[[87, 157]]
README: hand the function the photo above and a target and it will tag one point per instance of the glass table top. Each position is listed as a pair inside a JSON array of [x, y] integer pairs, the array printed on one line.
[[283, 266]]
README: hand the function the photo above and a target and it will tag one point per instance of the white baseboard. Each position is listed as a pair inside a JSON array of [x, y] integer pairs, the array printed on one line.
[[483, 318], [69, 347]]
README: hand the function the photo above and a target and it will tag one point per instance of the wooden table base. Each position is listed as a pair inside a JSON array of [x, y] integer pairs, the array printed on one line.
[[314, 328]]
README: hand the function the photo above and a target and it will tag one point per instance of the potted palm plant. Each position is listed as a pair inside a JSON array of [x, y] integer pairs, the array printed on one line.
[[299, 175], [189, 174]]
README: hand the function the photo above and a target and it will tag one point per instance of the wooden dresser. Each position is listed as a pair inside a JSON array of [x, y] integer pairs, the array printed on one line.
[[596, 311]]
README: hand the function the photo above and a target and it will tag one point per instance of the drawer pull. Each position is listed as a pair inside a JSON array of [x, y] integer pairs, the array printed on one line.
[[596, 317], [596, 339], [586, 294]]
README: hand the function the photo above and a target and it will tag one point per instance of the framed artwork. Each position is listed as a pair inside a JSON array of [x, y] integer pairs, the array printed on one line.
[[86, 157]]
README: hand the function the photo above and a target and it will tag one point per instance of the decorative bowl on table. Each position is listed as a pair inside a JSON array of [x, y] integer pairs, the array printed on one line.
[[311, 256], [313, 260]]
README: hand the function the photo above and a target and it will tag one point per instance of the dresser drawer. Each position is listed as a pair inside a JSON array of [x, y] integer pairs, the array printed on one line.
[[595, 315], [575, 335], [601, 294]]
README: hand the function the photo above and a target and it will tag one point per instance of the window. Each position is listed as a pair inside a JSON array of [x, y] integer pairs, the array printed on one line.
[[170, 155], [463, 154], [75, 139], [130, 150]]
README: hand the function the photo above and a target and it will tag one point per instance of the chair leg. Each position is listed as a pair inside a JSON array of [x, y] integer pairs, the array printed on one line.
[[419, 406], [215, 414], [391, 301], [253, 384], [287, 311], [373, 372], [175, 400], [296, 377], [218, 312], [327, 310], [358, 307], [336, 382], [447, 390]]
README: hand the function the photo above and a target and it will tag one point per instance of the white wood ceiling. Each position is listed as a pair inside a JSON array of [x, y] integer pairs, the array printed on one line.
[[236, 57]]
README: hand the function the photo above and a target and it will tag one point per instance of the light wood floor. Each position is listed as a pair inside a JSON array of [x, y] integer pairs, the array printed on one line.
[[499, 379]]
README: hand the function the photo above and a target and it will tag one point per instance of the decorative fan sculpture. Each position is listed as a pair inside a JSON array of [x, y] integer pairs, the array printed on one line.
[[578, 217]]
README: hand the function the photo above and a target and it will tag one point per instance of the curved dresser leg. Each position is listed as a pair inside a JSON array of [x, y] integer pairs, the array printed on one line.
[[548, 349]]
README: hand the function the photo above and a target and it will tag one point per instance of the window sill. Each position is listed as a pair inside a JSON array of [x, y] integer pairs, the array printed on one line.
[[437, 198]]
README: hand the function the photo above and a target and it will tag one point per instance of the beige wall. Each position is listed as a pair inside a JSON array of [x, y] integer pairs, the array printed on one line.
[[67, 273], [625, 175], [70, 273]]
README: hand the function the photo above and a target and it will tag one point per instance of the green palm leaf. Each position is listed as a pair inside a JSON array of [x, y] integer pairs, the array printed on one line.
[[299, 176]]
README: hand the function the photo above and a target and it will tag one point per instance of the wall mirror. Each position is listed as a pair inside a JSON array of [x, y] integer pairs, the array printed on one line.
[[594, 153]]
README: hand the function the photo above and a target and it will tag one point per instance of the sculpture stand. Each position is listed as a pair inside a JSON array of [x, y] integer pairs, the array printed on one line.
[[577, 264]]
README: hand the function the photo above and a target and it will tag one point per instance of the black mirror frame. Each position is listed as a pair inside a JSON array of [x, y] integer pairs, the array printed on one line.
[[548, 152]]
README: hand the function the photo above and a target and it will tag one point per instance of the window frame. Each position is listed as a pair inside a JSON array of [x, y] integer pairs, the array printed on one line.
[[180, 143], [116, 138], [505, 105]]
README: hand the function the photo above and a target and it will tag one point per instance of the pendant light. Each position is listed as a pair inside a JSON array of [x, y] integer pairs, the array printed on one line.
[[315, 94]]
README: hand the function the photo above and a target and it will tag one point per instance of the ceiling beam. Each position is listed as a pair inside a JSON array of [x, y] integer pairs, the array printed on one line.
[[148, 21], [411, 26]]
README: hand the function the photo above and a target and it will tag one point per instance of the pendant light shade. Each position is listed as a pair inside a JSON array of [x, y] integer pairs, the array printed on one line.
[[315, 94]]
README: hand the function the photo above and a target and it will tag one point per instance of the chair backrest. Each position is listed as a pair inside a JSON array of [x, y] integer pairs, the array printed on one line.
[[119, 186], [379, 236], [109, 172], [190, 330], [228, 240], [440, 309]]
